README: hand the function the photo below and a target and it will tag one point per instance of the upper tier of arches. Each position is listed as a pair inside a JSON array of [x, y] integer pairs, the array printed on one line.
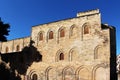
[[72, 32]]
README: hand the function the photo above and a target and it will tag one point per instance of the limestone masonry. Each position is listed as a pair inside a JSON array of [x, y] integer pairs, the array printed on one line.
[[80, 48]]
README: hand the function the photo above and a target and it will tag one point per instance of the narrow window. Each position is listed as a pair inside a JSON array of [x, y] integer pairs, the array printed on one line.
[[40, 36], [7, 49], [61, 57], [17, 48], [86, 30], [51, 35], [34, 77], [62, 33]]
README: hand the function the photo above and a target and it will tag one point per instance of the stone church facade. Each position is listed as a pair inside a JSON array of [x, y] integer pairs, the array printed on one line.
[[79, 48]]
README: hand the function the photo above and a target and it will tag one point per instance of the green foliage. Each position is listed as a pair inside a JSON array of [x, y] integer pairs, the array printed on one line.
[[4, 30]]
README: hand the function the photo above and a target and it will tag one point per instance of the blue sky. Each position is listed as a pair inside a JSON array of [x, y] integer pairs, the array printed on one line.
[[23, 14]]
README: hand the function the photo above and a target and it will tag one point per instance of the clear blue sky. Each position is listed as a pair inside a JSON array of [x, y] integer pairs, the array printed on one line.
[[23, 14]]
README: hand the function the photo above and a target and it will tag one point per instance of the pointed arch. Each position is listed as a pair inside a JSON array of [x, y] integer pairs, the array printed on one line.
[[50, 73], [51, 35], [33, 75], [99, 72], [60, 55], [40, 36], [73, 31], [86, 28], [82, 73], [73, 54], [97, 52], [68, 73], [61, 32]]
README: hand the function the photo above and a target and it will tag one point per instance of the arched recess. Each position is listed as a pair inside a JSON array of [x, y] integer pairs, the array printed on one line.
[[73, 54], [100, 72], [51, 73], [99, 52], [50, 34], [61, 32], [82, 73], [59, 56], [68, 73], [86, 28], [73, 31], [34, 75], [40, 36], [96, 51]]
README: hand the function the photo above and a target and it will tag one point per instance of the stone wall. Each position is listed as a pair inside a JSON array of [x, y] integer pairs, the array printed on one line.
[[14, 45], [68, 42], [78, 48], [86, 56]]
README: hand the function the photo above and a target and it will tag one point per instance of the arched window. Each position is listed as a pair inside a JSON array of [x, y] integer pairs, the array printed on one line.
[[51, 35], [40, 36], [62, 33], [17, 48], [34, 77], [61, 57], [86, 29], [7, 49]]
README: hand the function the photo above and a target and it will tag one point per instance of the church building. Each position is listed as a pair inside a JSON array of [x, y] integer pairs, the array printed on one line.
[[79, 48]]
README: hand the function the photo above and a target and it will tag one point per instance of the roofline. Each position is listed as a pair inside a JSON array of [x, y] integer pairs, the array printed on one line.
[[62, 20]]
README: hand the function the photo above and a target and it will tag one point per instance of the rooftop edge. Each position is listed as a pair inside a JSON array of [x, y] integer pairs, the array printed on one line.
[[90, 12]]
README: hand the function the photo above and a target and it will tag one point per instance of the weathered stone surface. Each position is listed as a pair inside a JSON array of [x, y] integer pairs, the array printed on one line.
[[87, 55]]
